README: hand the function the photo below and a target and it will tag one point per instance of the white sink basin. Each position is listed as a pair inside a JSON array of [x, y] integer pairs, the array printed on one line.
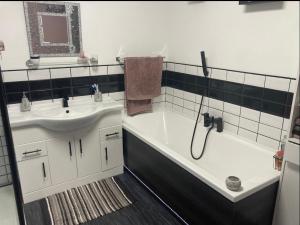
[[54, 117]]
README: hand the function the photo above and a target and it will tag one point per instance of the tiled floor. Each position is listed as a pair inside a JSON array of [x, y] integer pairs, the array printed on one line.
[[8, 209], [145, 210]]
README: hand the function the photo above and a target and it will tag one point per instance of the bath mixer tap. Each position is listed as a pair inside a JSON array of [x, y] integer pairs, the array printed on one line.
[[213, 121]]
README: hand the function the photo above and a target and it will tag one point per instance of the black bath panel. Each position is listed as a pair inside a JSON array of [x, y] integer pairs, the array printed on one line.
[[191, 198]]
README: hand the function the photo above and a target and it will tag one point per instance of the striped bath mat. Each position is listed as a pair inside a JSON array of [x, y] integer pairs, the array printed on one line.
[[82, 204]]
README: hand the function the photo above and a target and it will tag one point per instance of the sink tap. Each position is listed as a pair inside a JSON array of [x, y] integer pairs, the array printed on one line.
[[65, 102], [213, 121]]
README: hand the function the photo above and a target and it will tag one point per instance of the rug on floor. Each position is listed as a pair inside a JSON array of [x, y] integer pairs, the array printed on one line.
[[85, 203]]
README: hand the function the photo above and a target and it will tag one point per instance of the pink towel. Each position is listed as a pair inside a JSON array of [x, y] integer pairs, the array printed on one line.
[[142, 83]]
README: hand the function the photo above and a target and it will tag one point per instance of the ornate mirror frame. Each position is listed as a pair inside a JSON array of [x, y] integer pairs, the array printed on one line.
[[35, 10]]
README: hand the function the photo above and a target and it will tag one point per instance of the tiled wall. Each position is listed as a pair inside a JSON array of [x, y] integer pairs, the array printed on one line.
[[255, 106], [5, 175], [45, 84]]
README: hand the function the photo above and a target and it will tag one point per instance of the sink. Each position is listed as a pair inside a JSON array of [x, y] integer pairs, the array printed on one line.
[[54, 117]]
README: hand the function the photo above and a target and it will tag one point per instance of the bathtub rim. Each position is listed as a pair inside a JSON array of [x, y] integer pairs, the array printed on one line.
[[198, 172]]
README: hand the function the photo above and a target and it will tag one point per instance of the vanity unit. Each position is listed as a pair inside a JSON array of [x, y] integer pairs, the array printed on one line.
[[59, 148]]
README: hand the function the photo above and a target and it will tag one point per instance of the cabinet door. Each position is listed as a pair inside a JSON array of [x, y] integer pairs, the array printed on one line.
[[34, 174], [62, 159], [112, 153], [88, 152]]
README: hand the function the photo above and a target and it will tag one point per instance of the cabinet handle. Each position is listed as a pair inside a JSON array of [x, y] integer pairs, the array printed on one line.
[[112, 134], [32, 152], [80, 144], [44, 170], [106, 155], [70, 149]]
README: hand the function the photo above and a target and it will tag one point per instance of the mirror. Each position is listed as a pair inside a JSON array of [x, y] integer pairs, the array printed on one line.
[[53, 28]]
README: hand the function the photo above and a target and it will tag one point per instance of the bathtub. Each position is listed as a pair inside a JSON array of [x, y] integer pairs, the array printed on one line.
[[226, 154]]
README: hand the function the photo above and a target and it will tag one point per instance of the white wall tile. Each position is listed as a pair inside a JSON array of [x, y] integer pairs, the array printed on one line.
[[205, 100], [189, 96], [160, 98], [268, 142], [188, 113], [255, 80], [235, 77], [293, 86], [217, 104], [60, 73], [169, 90], [169, 98], [163, 90], [286, 124], [98, 70], [178, 101], [231, 128], [4, 180], [189, 105], [283, 134], [247, 134], [117, 95], [178, 93], [118, 69], [80, 72], [218, 74], [231, 118], [249, 124], [277, 83], [169, 106], [15, 76], [39, 74], [192, 70], [269, 131], [271, 120], [204, 109], [177, 109], [231, 108], [215, 112], [170, 67], [158, 106], [164, 66], [179, 68], [200, 71], [250, 114]]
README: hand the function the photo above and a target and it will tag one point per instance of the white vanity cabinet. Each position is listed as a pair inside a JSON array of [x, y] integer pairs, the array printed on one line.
[[111, 140], [87, 145], [34, 174], [62, 159], [33, 162], [53, 161]]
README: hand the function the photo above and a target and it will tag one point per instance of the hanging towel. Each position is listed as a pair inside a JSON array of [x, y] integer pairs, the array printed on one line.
[[142, 83]]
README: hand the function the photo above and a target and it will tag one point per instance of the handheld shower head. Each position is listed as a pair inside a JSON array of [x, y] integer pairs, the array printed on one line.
[[203, 60]]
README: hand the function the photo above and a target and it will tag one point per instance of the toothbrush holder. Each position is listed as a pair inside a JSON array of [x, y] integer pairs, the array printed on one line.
[[98, 96]]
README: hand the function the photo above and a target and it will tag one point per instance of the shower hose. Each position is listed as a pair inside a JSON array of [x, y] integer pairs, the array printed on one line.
[[194, 132]]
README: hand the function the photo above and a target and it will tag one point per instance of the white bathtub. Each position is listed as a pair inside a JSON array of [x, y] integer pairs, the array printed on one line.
[[225, 155]]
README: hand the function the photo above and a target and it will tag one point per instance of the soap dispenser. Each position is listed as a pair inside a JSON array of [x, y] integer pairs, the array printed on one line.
[[25, 104]]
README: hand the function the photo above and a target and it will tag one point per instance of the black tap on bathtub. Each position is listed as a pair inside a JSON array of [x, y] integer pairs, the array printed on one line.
[[213, 121]]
